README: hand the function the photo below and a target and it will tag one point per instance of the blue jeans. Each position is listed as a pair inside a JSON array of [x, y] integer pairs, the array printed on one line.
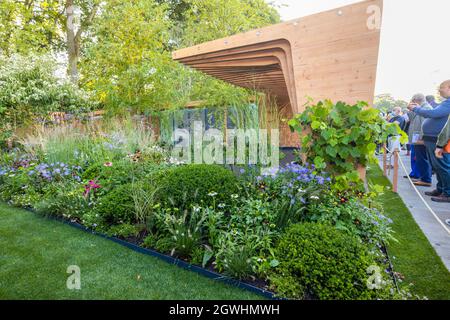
[[414, 170], [441, 167], [423, 165]]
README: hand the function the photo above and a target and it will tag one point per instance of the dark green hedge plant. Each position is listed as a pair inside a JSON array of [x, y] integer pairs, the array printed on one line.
[[195, 184], [320, 262]]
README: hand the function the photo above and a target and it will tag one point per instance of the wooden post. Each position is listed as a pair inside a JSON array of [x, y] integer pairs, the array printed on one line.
[[395, 179], [384, 160]]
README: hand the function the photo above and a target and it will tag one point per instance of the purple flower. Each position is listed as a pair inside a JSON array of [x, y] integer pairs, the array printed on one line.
[[320, 180]]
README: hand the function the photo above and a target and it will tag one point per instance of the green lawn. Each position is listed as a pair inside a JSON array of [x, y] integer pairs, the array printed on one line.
[[35, 253], [415, 258]]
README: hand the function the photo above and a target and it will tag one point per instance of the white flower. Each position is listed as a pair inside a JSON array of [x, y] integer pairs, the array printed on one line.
[[315, 197], [234, 196], [212, 194], [221, 205], [301, 190]]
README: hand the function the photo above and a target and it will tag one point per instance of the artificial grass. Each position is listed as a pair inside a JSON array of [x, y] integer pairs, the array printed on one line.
[[35, 253], [412, 256]]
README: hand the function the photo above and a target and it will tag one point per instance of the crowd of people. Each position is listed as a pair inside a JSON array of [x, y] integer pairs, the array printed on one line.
[[427, 124]]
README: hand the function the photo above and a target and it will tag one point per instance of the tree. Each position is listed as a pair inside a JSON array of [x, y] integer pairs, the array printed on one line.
[[29, 25], [88, 9], [29, 89], [46, 26], [213, 19], [386, 102], [127, 66]]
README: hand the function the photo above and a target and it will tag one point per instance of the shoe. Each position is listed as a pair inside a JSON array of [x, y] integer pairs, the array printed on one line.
[[442, 199], [433, 193], [420, 183]]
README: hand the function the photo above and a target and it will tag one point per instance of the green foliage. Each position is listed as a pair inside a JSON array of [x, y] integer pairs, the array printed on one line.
[[214, 19], [352, 217], [340, 137], [385, 103], [184, 231], [117, 207], [197, 184], [29, 91], [246, 239], [319, 261], [64, 200], [29, 26], [118, 173], [112, 141], [128, 67], [123, 230]]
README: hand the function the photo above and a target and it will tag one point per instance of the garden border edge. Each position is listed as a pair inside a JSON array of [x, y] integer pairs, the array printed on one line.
[[168, 259]]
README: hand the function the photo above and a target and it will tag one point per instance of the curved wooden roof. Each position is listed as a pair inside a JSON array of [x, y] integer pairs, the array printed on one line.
[[330, 55]]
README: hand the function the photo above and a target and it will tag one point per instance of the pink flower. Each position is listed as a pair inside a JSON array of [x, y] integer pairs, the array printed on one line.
[[108, 164], [92, 185]]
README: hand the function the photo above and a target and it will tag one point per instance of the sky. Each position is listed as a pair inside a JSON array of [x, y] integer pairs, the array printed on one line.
[[414, 49]]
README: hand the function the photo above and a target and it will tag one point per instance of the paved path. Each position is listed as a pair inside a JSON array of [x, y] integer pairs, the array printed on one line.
[[433, 230]]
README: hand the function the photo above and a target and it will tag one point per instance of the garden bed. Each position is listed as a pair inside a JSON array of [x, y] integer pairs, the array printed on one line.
[[295, 231], [135, 244]]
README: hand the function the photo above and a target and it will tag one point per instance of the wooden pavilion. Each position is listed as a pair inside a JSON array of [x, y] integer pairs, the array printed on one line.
[[329, 55]]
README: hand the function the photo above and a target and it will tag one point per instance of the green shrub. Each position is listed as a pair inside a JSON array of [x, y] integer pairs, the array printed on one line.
[[320, 262], [192, 184], [340, 137], [123, 230], [353, 217], [150, 241], [63, 199], [30, 89], [117, 206], [245, 242], [184, 231], [111, 175]]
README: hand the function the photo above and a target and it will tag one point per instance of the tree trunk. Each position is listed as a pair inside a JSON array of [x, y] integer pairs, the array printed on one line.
[[73, 43]]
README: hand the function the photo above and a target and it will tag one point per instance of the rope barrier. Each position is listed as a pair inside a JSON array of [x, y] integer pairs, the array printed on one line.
[[418, 192]]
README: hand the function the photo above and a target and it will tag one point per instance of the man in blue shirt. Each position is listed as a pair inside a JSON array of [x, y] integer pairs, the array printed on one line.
[[435, 121]]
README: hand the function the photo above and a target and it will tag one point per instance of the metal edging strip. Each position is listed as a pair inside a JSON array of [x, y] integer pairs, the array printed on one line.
[[171, 260]]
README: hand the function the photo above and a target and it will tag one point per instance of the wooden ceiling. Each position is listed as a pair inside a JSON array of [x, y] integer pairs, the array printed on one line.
[[330, 55]]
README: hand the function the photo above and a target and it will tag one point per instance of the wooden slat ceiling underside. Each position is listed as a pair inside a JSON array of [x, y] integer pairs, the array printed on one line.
[[333, 54], [265, 66]]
